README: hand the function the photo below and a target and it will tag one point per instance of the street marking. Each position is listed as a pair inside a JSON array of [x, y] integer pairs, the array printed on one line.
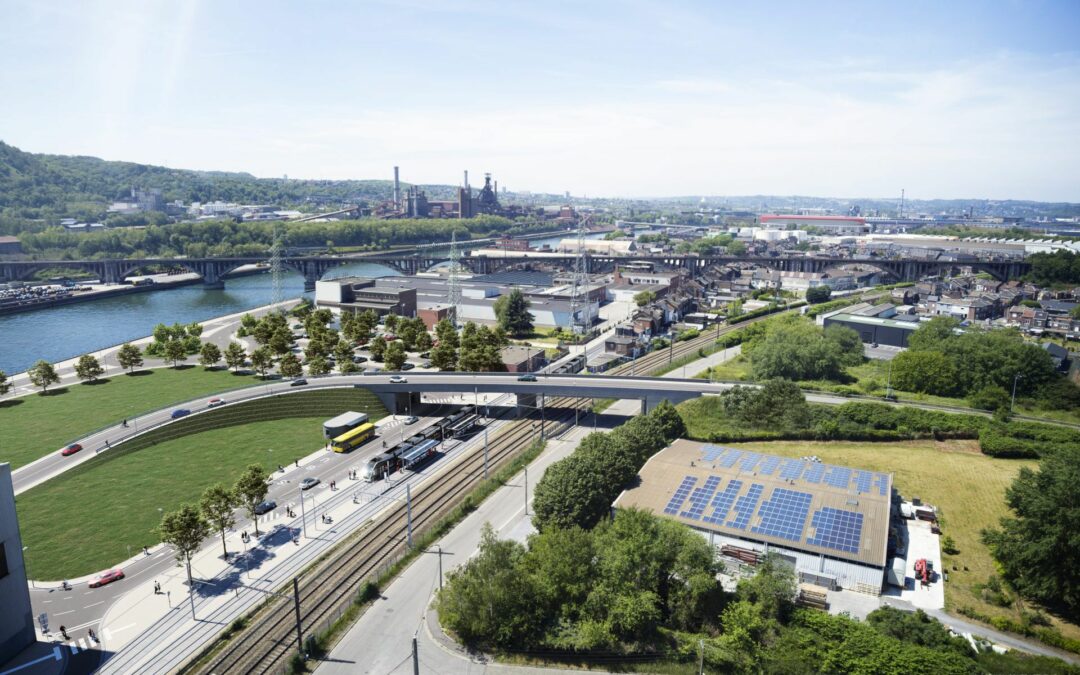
[[63, 613], [94, 605], [109, 633], [74, 648], [57, 655]]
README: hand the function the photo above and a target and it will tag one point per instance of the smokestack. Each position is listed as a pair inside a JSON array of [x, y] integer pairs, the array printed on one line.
[[397, 190], [466, 179], [496, 188]]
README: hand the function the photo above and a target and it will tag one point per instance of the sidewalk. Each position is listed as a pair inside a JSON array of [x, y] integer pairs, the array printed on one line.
[[151, 632], [701, 365]]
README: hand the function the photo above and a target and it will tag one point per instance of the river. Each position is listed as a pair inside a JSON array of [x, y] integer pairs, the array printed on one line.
[[59, 333]]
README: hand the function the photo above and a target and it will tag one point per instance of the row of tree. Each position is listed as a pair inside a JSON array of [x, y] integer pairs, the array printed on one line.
[[796, 349]]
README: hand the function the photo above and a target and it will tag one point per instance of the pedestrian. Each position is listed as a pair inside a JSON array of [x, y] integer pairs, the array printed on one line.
[[107, 446], [145, 551], [296, 462], [90, 634], [63, 631], [157, 588]]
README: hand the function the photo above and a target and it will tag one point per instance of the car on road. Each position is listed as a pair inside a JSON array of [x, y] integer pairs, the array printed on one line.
[[107, 577], [71, 450], [309, 482], [180, 412], [527, 377], [397, 379], [412, 419], [215, 402], [265, 507], [298, 382]]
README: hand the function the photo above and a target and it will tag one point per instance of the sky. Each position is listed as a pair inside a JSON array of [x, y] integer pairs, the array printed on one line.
[[630, 98]]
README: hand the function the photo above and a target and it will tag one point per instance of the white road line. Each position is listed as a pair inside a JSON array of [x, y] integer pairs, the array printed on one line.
[[94, 605], [74, 648], [57, 655], [70, 611], [85, 625]]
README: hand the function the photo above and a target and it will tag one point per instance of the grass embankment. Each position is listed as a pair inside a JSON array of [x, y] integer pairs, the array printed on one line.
[[966, 486], [87, 518], [871, 378], [35, 425]]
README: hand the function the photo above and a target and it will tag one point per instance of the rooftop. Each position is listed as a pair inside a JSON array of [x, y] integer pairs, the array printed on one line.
[[821, 508], [874, 321]]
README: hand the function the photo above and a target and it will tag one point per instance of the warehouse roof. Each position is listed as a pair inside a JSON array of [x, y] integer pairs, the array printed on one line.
[[873, 321], [799, 504]]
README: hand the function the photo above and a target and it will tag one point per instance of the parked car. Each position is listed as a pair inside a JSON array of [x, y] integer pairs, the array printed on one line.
[[359, 359], [389, 337], [180, 412], [412, 419], [407, 366], [298, 382], [309, 482], [71, 450], [527, 377], [265, 507], [215, 402], [397, 379], [425, 355], [107, 577]]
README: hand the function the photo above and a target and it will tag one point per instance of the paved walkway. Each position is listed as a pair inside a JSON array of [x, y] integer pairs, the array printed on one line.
[[701, 365]]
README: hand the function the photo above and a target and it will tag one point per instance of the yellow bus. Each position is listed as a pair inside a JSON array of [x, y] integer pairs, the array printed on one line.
[[350, 439]]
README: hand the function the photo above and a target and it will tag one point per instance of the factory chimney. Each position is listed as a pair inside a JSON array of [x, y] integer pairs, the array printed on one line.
[[397, 190], [466, 179]]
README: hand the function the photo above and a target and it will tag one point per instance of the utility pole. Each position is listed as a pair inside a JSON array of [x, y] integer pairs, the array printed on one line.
[[526, 490], [440, 567], [299, 630], [415, 658], [1013, 404], [303, 513], [485, 451], [408, 513]]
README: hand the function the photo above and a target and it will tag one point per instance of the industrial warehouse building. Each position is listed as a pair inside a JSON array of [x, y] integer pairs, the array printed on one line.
[[550, 304], [876, 329], [830, 522]]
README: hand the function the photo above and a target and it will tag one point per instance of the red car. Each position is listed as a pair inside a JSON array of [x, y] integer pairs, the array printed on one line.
[[71, 450], [107, 577]]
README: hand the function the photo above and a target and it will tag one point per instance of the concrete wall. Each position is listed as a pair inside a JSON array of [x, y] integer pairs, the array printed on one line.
[[16, 619]]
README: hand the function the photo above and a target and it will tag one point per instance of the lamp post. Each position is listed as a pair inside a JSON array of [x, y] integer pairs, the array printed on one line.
[[1013, 404]]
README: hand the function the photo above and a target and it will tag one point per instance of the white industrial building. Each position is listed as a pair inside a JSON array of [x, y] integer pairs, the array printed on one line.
[[830, 522]]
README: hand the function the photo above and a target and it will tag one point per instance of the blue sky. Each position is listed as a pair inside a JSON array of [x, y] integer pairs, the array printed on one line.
[[628, 98]]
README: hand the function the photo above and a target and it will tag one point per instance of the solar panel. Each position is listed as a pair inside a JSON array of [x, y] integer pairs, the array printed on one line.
[[768, 466], [745, 505], [728, 460], [711, 452], [838, 476], [722, 502], [791, 468], [863, 480], [700, 497], [837, 529], [814, 473], [882, 484], [681, 493], [749, 461], [784, 514]]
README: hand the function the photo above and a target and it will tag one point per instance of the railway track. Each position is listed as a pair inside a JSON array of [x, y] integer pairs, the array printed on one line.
[[270, 641]]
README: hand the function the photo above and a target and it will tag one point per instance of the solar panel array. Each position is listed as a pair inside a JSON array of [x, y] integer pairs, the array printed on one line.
[[859, 481], [837, 529], [784, 512]]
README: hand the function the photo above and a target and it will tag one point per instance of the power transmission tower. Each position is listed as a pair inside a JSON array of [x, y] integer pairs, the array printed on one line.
[[453, 292], [580, 284], [276, 268]]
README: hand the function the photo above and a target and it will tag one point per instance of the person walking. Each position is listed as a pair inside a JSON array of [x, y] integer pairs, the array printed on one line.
[[157, 588], [63, 632]]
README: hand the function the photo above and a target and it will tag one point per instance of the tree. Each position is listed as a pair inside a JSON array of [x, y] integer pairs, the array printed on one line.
[[670, 421], [927, 372], [394, 356], [377, 349], [407, 333], [390, 322], [818, 294], [776, 405], [184, 530], [848, 344], [447, 334], [290, 366], [513, 313], [1036, 545], [444, 356], [486, 602], [262, 360], [175, 351], [5, 386], [217, 505], [129, 357], [772, 588], [318, 366], [235, 356], [993, 398], [736, 248], [209, 355], [799, 350], [42, 374], [934, 334], [423, 341], [88, 368], [250, 489], [343, 352], [643, 298]]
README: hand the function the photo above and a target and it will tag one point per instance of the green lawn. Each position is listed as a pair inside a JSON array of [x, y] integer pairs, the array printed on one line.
[[967, 487], [34, 426], [85, 519]]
